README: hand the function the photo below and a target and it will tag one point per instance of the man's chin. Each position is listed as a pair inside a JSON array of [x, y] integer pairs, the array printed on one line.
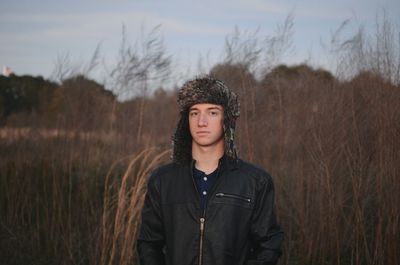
[[206, 142]]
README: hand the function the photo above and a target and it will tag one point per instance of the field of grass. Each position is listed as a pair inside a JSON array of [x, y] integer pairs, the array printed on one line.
[[74, 197]]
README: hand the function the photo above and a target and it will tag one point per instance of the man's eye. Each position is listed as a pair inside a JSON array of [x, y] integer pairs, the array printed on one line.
[[192, 114], [214, 113]]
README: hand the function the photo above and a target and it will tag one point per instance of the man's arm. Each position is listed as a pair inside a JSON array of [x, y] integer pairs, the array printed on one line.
[[151, 236], [265, 233]]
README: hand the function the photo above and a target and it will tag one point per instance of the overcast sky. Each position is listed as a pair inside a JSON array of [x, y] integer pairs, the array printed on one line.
[[34, 33]]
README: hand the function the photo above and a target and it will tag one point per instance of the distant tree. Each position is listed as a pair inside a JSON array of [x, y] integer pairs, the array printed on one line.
[[83, 104], [234, 75], [24, 94], [298, 71]]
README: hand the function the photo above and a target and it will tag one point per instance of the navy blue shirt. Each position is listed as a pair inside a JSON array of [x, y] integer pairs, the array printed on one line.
[[204, 183]]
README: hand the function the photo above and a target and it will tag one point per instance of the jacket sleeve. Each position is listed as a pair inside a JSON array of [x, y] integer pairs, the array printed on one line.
[[151, 240], [265, 234]]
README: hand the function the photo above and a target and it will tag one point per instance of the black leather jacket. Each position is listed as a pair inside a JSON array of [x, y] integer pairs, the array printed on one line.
[[237, 227]]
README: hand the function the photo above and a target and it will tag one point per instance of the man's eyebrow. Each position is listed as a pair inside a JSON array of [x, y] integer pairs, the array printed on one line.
[[210, 108], [214, 108]]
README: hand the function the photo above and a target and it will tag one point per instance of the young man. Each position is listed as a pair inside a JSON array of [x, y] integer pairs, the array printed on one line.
[[208, 206]]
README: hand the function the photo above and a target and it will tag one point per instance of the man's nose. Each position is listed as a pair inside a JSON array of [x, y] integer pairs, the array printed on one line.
[[202, 120]]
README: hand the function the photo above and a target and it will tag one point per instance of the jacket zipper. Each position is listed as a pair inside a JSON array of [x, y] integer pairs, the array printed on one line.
[[221, 194], [202, 220], [202, 217]]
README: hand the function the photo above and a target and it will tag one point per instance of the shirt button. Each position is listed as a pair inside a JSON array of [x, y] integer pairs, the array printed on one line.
[[205, 178], [204, 192]]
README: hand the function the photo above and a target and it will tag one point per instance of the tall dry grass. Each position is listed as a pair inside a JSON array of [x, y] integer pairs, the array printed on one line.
[[329, 171], [331, 146], [70, 200], [121, 212], [61, 184]]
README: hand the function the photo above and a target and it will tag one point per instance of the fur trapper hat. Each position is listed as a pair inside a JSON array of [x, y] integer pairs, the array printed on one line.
[[204, 90]]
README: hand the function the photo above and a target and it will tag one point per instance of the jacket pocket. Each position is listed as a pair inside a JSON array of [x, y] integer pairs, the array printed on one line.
[[233, 197]]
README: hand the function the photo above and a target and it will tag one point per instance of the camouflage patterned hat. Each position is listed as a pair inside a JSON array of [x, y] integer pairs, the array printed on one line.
[[204, 90]]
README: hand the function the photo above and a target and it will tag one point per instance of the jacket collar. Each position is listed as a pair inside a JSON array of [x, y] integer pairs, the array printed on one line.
[[224, 163]]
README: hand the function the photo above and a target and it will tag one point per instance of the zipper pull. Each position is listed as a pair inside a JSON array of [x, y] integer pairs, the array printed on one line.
[[202, 224]]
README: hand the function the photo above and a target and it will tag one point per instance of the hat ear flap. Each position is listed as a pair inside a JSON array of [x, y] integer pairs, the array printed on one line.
[[182, 141]]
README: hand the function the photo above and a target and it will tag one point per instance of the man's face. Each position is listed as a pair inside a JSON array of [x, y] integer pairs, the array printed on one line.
[[205, 122]]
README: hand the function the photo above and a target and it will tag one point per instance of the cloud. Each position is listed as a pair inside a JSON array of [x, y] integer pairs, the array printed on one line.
[[51, 27]]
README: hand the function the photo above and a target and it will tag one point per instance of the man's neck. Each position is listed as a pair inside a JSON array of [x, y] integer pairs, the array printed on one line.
[[207, 158]]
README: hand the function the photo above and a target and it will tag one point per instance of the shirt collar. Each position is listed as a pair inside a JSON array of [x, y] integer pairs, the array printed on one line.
[[198, 173]]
